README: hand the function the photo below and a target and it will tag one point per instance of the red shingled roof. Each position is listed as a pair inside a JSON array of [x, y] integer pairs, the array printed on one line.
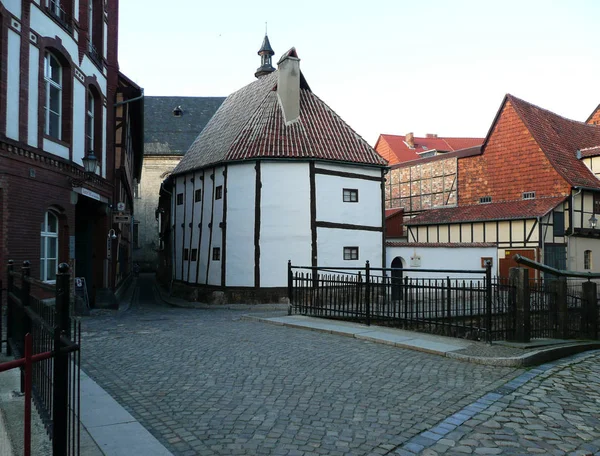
[[559, 138], [403, 152], [453, 245], [506, 210]]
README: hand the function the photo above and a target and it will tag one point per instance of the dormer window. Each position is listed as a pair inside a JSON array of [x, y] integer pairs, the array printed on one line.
[[485, 199], [528, 195], [178, 112]]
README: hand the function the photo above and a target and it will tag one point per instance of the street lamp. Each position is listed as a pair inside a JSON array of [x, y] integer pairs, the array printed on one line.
[[90, 162], [593, 222], [111, 234]]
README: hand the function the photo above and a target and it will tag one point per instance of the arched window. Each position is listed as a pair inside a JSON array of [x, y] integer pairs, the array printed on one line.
[[89, 122], [49, 247], [53, 80], [587, 259]]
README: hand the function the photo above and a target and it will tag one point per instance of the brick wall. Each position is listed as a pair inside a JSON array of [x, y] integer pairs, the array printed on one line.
[[511, 163], [383, 149], [595, 117]]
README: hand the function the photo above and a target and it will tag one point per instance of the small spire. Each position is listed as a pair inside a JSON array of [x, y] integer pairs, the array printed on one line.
[[265, 52]]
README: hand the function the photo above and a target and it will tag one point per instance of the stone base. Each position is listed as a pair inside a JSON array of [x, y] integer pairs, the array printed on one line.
[[210, 294]]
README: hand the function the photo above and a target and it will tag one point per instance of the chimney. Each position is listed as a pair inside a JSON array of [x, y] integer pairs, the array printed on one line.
[[431, 135], [410, 140], [288, 85]]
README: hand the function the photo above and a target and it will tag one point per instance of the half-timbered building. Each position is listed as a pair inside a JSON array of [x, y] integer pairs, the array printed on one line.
[[276, 175], [531, 189]]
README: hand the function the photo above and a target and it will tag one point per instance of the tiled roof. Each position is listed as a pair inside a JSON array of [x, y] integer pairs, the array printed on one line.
[[391, 212], [250, 125], [404, 153], [469, 152], [167, 134], [589, 152], [560, 138], [506, 210], [440, 244]]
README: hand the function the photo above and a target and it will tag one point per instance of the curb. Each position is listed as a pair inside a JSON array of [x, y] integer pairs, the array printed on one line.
[[526, 360]]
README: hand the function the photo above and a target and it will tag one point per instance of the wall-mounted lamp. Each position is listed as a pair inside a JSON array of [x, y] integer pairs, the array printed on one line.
[[111, 234], [593, 222], [90, 163]]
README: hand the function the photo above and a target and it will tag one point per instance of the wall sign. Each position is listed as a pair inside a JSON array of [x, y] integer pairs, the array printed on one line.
[[415, 261]]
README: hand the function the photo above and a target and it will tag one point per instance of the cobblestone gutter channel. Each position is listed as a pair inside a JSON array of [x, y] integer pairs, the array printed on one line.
[[533, 413]]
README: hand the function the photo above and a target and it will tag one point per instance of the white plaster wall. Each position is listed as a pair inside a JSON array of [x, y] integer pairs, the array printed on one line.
[[104, 142], [373, 172], [214, 273], [188, 204], [193, 216], [90, 69], [332, 208], [207, 198], [14, 7], [79, 115], [443, 258], [331, 243], [46, 27], [577, 247], [32, 108], [241, 179], [12, 81], [177, 230], [55, 148], [285, 220]]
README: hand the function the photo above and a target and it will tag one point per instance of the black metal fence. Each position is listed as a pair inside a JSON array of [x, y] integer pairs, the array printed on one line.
[[43, 310], [465, 303]]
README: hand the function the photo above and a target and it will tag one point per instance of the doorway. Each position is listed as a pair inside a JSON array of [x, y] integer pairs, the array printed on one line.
[[397, 266]]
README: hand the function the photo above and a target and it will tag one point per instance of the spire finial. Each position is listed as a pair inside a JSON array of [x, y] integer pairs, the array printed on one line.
[[265, 52]]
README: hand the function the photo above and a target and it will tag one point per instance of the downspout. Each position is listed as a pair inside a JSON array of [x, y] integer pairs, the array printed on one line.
[[571, 230], [120, 103]]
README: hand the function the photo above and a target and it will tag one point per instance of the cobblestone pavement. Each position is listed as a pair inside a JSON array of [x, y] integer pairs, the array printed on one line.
[[206, 382], [553, 409]]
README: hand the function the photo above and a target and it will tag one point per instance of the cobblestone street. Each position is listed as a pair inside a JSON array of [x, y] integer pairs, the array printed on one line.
[[207, 382]]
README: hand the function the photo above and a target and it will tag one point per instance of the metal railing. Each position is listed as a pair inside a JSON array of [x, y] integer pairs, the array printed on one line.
[[55, 378]]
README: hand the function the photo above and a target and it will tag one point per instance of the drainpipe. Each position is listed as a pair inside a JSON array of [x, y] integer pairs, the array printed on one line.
[[120, 103]]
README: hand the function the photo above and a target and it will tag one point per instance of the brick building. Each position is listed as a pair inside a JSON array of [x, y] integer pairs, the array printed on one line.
[[532, 188], [61, 98]]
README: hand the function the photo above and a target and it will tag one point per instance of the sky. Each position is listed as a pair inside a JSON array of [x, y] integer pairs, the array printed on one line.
[[386, 67]]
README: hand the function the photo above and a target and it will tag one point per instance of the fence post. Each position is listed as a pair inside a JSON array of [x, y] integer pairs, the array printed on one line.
[[290, 281], [368, 292], [519, 283], [589, 316], [448, 325], [61, 363], [9, 314], [25, 298], [488, 299], [559, 318]]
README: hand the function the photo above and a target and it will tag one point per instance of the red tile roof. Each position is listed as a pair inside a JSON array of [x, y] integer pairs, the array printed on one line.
[[589, 152], [559, 138], [403, 152], [391, 212], [440, 244], [250, 125], [506, 210]]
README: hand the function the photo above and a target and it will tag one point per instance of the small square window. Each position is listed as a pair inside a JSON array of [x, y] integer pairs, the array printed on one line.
[[186, 254], [350, 253], [350, 195], [528, 195], [485, 199], [485, 261], [179, 199], [219, 192], [194, 254], [216, 254], [198, 195]]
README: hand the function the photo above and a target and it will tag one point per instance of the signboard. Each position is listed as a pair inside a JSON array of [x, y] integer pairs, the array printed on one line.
[[120, 206], [90, 194], [415, 261], [121, 218]]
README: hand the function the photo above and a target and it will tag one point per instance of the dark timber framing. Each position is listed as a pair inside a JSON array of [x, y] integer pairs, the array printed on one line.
[[330, 172], [191, 224], [200, 226], [210, 225], [175, 249], [183, 227], [347, 226], [224, 230], [257, 201], [313, 214]]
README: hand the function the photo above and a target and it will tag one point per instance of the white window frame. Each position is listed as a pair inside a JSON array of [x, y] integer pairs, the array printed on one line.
[[49, 82], [48, 237], [587, 260], [90, 125]]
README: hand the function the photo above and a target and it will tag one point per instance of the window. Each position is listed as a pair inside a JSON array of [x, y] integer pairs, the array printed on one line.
[[485, 199], [194, 254], [49, 248], [198, 195], [89, 122], [94, 32], [528, 195], [558, 228], [216, 253], [136, 189], [587, 259], [186, 254], [350, 253], [219, 192], [60, 9], [53, 104], [350, 195], [136, 235], [177, 112], [179, 199], [596, 203]]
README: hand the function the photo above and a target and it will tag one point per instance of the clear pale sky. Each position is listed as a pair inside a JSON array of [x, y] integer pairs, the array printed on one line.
[[422, 66]]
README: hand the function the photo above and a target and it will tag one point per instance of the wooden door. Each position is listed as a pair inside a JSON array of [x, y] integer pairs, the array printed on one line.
[[507, 262]]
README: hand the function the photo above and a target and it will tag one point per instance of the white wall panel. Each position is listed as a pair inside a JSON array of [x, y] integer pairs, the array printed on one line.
[[331, 243], [178, 230], [188, 204], [241, 182], [373, 172], [13, 7], [55, 148], [45, 27], [214, 274], [12, 80], [285, 220], [79, 117], [32, 108], [205, 255]]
